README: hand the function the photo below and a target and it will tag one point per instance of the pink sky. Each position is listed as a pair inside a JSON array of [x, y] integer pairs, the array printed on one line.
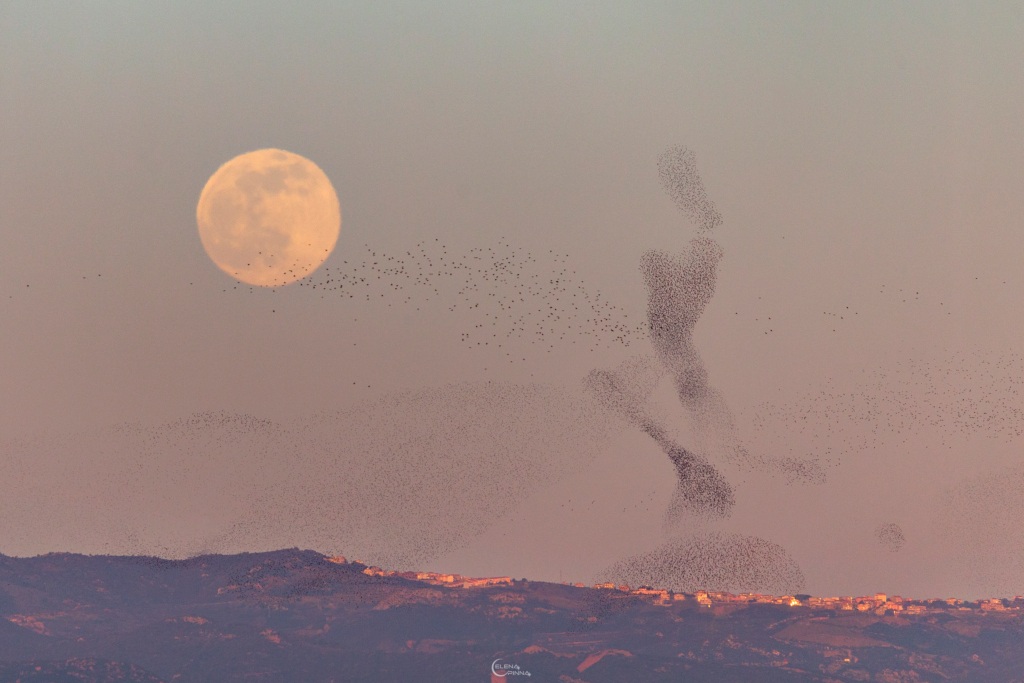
[[865, 158]]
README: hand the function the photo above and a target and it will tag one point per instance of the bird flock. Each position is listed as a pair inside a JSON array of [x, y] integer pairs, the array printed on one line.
[[677, 168], [679, 289], [980, 529], [890, 536], [411, 476], [957, 404], [931, 403], [511, 297], [394, 482], [715, 562]]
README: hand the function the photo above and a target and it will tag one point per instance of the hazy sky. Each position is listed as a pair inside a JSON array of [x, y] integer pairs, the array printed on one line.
[[866, 159]]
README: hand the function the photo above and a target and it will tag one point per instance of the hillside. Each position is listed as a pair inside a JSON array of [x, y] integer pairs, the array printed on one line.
[[294, 615]]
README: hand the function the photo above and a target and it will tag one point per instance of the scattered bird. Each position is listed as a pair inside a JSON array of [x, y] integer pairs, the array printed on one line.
[[514, 295]]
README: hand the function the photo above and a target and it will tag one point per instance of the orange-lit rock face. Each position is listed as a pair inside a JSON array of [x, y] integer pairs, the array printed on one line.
[[28, 622]]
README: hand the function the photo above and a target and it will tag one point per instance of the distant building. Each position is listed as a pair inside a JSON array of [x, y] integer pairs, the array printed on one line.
[[661, 596], [434, 577], [480, 583], [887, 607]]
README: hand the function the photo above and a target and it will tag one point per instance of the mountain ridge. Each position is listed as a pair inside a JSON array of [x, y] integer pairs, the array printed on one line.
[[298, 615]]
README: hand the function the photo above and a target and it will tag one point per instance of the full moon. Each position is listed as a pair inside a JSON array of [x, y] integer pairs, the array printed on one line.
[[268, 217]]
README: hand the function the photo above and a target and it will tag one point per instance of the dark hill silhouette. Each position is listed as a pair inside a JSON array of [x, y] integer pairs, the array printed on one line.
[[294, 615]]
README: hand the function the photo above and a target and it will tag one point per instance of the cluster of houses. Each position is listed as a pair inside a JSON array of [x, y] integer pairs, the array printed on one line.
[[880, 603], [456, 580], [453, 580]]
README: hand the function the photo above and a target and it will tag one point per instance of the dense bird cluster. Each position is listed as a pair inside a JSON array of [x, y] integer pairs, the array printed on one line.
[[890, 536], [415, 475], [677, 168], [395, 482], [679, 288], [701, 490], [716, 562]]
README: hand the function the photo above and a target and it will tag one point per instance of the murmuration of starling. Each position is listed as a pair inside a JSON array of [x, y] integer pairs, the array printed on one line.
[[713, 562]]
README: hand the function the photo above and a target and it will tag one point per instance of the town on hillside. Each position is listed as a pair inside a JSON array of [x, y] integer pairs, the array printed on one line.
[[880, 603]]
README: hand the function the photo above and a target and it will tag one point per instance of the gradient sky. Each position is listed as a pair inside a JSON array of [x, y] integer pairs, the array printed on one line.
[[857, 151]]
